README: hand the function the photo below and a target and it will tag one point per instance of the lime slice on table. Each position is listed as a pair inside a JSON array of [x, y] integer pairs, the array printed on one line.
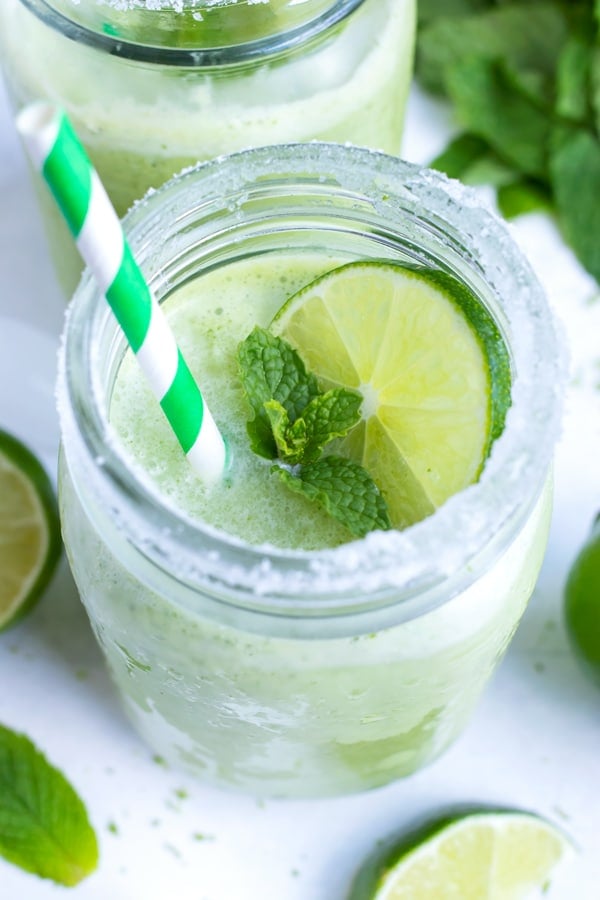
[[430, 363], [30, 542], [481, 856]]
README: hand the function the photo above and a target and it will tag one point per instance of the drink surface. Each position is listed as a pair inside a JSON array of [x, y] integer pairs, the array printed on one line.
[[210, 317], [425, 418]]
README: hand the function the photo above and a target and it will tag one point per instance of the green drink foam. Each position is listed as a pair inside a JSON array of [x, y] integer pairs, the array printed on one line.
[[210, 316]]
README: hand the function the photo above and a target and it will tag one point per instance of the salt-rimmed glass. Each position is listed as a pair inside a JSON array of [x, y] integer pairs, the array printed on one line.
[[286, 671], [152, 86]]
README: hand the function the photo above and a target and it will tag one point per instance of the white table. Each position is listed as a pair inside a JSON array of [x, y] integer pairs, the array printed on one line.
[[535, 740]]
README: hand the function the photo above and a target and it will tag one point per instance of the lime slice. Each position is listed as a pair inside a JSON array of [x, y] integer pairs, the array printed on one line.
[[480, 856], [430, 363], [30, 542], [582, 604]]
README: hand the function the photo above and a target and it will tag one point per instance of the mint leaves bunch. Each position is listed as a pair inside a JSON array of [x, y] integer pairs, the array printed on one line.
[[524, 80], [293, 422]]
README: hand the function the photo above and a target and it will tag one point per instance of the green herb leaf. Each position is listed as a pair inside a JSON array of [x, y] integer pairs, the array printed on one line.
[[460, 154], [44, 826], [290, 439], [595, 85], [270, 369], [573, 95], [575, 173], [527, 36], [524, 77], [344, 489], [294, 420], [469, 158], [329, 416], [433, 9], [523, 196], [492, 104]]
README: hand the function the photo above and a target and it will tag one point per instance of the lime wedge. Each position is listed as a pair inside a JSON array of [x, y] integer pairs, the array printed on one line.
[[481, 856], [30, 543], [430, 363]]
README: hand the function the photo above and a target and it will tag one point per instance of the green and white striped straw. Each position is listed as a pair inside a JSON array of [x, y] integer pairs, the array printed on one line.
[[57, 153]]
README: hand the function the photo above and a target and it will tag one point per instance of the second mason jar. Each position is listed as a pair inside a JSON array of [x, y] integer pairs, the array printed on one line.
[[267, 668], [151, 89]]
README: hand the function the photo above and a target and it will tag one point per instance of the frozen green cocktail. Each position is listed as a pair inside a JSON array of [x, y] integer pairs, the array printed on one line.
[[152, 88], [252, 639]]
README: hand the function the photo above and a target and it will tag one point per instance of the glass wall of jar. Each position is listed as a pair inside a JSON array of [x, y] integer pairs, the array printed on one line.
[[277, 670]]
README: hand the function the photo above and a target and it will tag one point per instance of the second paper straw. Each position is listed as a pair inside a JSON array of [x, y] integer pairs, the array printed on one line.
[[57, 153]]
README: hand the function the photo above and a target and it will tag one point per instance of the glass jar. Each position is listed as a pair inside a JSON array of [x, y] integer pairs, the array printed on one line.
[[151, 88], [291, 672]]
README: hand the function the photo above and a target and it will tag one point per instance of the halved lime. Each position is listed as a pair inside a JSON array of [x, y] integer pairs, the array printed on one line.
[[582, 604], [431, 365], [30, 543], [480, 856]]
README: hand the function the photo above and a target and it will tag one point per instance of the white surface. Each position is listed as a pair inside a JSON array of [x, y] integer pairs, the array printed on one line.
[[534, 742]]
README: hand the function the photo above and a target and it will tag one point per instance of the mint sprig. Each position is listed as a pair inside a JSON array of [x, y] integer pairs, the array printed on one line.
[[293, 422], [272, 370], [44, 827], [523, 77]]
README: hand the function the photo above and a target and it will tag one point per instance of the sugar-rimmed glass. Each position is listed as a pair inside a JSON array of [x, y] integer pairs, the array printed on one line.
[[288, 672], [152, 88]]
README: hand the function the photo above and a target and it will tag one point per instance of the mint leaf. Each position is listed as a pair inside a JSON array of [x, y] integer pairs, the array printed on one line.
[[344, 489], [469, 158], [294, 420], [44, 827], [329, 416], [595, 85], [460, 154], [522, 197], [575, 173], [433, 9], [524, 78], [573, 78], [492, 104], [290, 439], [527, 36], [270, 369]]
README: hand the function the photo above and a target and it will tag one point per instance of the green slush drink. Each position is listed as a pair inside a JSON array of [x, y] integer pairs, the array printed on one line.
[[152, 90], [252, 642]]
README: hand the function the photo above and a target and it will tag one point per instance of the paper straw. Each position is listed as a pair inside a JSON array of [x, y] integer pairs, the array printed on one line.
[[57, 153]]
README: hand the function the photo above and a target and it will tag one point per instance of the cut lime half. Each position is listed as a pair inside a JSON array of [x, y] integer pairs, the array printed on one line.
[[30, 543], [431, 365], [481, 856]]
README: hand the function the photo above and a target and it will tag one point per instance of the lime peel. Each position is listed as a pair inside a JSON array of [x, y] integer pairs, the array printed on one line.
[[432, 367], [475, 855], [30, 541]]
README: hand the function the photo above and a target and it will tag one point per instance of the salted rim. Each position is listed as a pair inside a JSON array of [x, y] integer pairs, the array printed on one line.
[[383, 562], [188, 57]]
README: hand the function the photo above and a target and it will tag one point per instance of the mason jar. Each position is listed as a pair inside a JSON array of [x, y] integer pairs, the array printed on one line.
[[153, 87], [294, 672]]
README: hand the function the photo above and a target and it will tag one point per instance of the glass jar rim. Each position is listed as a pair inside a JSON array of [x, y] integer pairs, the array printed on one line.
[[384, 567], [259, 49]]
